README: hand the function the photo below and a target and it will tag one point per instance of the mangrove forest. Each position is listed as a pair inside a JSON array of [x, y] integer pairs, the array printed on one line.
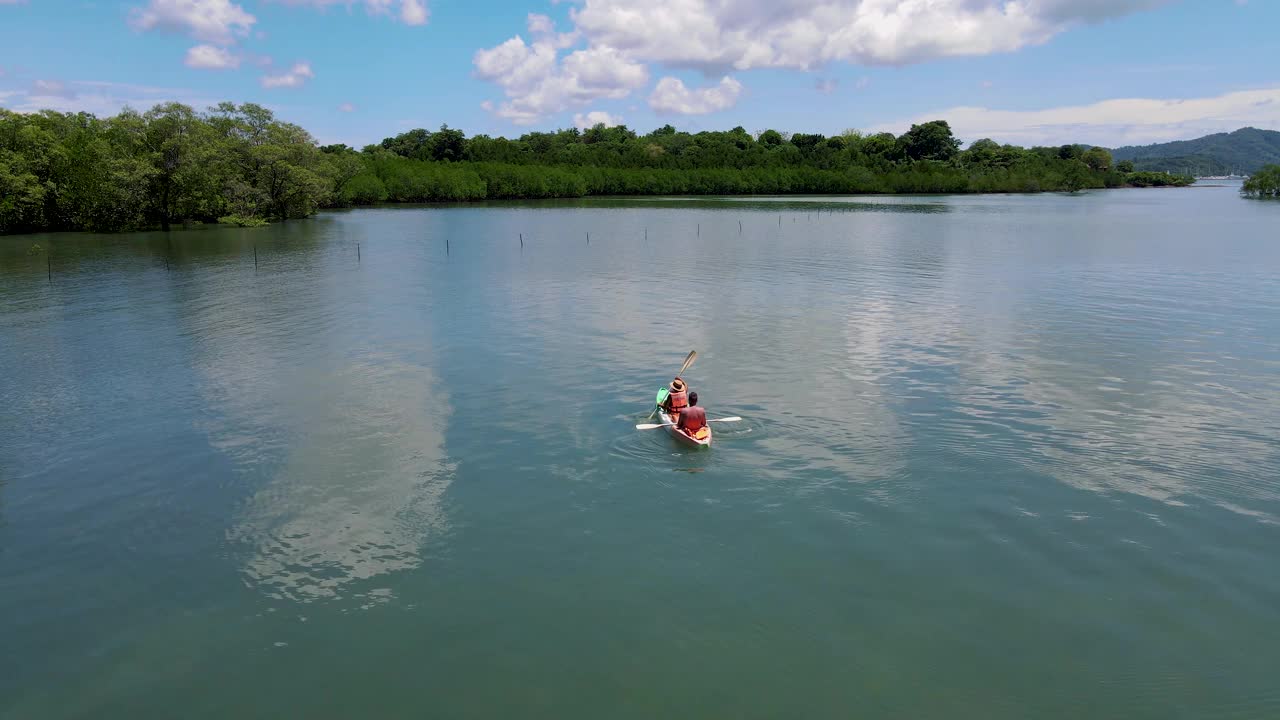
[[240, 164]]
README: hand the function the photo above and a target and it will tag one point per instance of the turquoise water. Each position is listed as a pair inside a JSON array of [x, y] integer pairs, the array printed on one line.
[[1001, 457]]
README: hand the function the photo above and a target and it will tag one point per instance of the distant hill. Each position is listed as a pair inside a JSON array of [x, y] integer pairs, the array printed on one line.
[[1243, 151]]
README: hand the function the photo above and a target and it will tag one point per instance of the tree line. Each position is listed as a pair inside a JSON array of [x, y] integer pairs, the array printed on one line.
[[240, 164]]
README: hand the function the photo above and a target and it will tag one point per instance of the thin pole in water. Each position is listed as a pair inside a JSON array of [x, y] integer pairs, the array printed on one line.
[[521, 241], [779, 221], [357, 252], [255, 257], [48, 262], [588, 238], [446, 246], [739, 227], [699, 229]]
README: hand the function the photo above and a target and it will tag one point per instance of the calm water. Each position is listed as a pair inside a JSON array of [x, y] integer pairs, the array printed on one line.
[[1002, 457]]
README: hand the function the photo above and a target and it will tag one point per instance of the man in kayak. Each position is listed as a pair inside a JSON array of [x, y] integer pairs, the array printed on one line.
[[677, 399], [693, 419]]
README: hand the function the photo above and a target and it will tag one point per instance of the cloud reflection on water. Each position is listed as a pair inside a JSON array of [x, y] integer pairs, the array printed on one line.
[[360, 488]]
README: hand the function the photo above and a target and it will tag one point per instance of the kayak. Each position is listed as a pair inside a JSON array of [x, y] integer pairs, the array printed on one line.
[[677, 433]]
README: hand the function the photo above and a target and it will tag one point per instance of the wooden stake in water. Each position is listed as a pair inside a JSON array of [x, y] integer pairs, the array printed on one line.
[[699, 229], [588, 238], [48, 262], [446, 246], [521, 241], [357, 252], [255, 257], [739, 227]]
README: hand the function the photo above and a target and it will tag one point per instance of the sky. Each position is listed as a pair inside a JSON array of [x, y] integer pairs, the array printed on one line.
[[1105, 72]]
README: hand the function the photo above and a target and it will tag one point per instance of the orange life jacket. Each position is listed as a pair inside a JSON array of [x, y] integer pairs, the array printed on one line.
[[677, 401]]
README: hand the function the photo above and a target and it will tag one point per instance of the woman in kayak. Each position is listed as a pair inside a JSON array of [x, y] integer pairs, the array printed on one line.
[[677, 399]]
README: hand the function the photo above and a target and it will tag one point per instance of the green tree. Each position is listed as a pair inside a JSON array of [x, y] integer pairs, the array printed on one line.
[[289, 173], [1097, 159], [930, 141], [1070, 152], [341, 168], [806, 142], [771, 138], [1263, 183], [1075, 177], [21, 195], [447, 144], [186, 176], [1125, 166], [415, 144], [882, 145]]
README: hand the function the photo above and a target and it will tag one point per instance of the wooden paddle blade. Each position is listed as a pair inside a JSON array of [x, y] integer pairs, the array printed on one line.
[[728, 419], [653, 426], [693, 355]]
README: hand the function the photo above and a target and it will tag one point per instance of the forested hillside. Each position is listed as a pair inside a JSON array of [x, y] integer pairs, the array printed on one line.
[[1244, 151]]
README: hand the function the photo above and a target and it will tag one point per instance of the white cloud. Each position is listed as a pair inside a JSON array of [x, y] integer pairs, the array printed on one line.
[[537, 82], [213, 21], [211, 57], [594, 118], [13, 2], [411, 12], [294, 77], [347, 107], [671, 96], [543, 29], [540, 24], [98, 97], [1111, 123], [715, 36], [51, 88], [743, 34]]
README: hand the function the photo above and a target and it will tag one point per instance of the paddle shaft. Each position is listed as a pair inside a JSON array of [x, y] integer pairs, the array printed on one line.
[[652, 426]]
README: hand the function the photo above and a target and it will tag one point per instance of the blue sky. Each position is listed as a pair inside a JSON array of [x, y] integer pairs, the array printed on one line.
[[1028, 71]]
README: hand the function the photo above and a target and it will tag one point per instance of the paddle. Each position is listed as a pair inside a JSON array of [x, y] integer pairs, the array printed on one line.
[[651, 426], [688, 360]]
